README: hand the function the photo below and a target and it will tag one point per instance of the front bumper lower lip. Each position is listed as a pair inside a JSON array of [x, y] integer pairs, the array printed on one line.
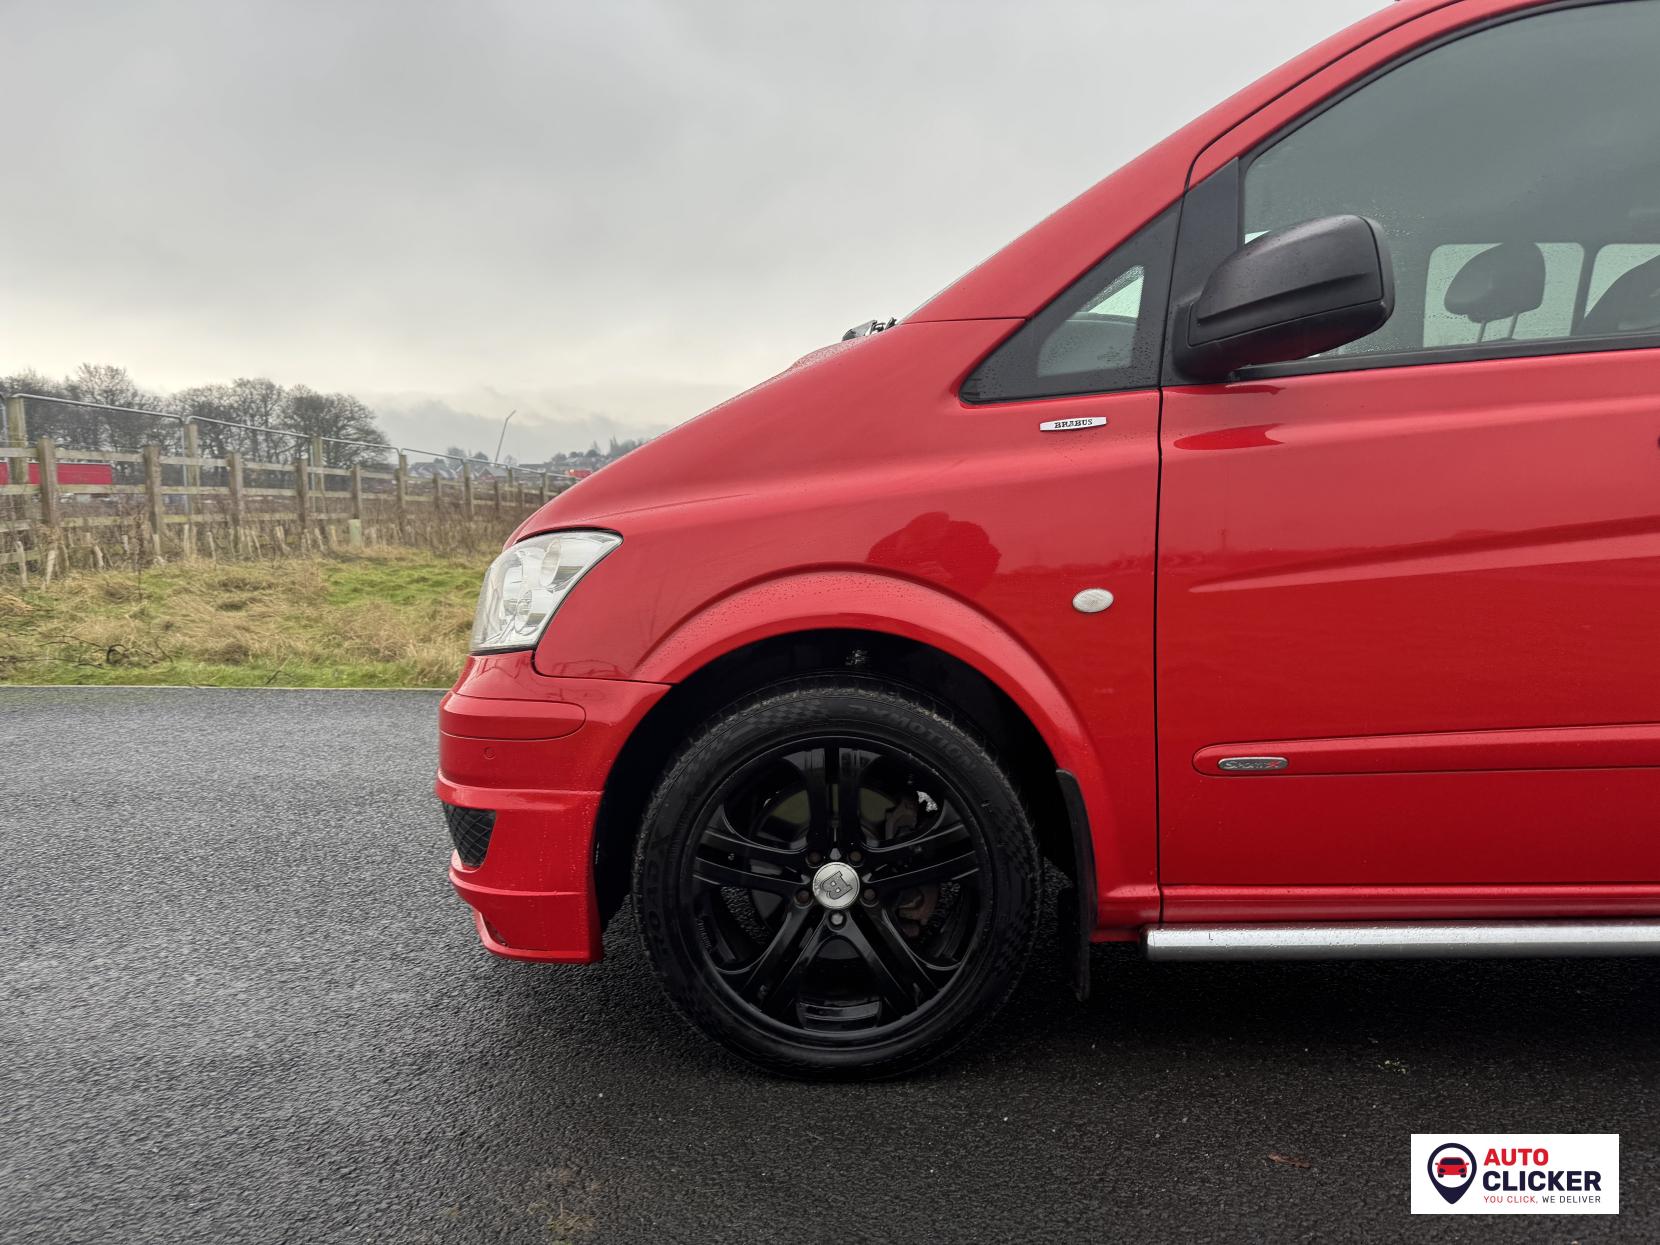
[[529, 913], [536, 751], [533, 895]]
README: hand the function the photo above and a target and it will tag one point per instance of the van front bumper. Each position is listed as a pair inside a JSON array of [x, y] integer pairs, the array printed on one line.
[[522, 763]]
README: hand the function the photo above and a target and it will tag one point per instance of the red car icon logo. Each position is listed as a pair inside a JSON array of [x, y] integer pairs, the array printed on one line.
[[1451, 1165]]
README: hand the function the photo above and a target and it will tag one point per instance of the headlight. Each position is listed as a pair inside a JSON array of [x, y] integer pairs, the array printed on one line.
[[525, 585]]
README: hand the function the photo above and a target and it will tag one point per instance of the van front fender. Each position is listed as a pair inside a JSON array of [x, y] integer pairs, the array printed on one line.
[[1125, 874]]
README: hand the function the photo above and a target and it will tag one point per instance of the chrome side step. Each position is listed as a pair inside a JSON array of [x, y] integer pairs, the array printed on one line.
[[1392, 940]]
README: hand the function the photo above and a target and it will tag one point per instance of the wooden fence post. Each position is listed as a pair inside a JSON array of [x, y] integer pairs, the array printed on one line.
[[302, 495], [233, 473], [51, 505], [498, 497], [192, 449], [466, 490], [156, 501], [319, 483], [46, 456], [354, 525], [544, 488], [401, 483], [17, 424], [192, 479]]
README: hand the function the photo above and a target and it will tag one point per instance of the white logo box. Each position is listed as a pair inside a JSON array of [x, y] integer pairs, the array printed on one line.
[[1516, 1174]]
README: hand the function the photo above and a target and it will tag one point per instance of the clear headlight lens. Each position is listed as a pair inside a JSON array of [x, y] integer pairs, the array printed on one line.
[[525, 585]]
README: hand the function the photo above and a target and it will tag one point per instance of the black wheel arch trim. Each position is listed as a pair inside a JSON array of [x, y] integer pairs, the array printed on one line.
[[1083, 855]]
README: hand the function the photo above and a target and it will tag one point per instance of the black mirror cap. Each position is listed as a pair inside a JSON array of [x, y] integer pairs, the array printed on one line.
[[1287, 295]]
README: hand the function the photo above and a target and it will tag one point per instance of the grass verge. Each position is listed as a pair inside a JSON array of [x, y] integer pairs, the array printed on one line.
[[384, 617]]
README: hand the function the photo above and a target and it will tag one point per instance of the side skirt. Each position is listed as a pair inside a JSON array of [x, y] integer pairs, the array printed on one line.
[[1402, 940]]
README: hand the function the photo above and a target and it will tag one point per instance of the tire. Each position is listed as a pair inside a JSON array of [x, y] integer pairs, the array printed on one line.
[[816, 944]]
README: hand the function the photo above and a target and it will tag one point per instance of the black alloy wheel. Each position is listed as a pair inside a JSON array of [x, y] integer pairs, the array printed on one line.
[[836, 877]]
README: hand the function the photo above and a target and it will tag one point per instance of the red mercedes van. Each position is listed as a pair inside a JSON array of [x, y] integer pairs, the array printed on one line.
[[1269, 541]]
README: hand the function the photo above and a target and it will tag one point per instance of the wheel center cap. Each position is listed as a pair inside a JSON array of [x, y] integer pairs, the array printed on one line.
[[835, 885]]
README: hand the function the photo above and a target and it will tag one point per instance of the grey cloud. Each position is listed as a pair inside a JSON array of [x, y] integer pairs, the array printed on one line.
[[605, 199]]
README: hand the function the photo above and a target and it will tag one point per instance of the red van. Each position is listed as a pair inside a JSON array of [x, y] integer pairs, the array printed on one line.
[[1268, 541]]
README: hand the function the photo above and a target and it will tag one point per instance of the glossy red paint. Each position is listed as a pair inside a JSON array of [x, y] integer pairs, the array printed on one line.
[[964, 533], [1438, 594], [476, 717], [1389, 650], [533, 895]]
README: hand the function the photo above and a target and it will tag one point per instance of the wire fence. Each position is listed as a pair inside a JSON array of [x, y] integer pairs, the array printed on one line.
[[126, 486]]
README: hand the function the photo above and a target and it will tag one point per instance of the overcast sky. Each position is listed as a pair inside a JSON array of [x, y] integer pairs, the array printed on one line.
[[607, 214]]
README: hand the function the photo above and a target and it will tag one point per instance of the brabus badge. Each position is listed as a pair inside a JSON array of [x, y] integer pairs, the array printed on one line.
[[1067, 425]]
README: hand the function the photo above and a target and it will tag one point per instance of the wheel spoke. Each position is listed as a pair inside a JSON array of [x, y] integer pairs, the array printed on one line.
[[772, 977], [721, 836], [903, 978], [952, 868], [927, 841], [723, 873], [816, 776], [783, 992], [850, 832]]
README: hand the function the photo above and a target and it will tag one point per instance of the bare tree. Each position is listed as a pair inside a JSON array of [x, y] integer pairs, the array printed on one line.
[[209, 405], [259, 404], [246, 416], [339, 416], [108, 385]]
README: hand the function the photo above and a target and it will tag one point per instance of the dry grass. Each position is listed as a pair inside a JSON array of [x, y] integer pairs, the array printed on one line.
[[383, 617]]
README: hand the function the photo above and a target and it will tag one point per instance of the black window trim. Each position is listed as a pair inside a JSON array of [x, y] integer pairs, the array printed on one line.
[[1206, 237]]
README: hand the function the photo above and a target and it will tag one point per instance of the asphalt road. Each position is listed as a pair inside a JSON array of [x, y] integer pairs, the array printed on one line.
[[241, 1004]]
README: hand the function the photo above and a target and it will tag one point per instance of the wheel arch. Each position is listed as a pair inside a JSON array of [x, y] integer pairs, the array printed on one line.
[[904, 633]]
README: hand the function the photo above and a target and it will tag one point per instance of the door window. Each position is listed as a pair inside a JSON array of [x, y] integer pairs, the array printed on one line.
[[1564, 263], [1495, 164], [1614, 261]]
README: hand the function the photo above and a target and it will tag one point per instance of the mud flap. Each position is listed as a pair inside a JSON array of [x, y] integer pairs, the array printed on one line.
[[1075, 921]]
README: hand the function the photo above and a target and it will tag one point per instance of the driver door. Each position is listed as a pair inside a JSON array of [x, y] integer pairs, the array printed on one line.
[[1419, 576]]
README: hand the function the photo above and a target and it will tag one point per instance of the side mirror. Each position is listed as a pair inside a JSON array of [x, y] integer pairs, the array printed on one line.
[[1287, 295]]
